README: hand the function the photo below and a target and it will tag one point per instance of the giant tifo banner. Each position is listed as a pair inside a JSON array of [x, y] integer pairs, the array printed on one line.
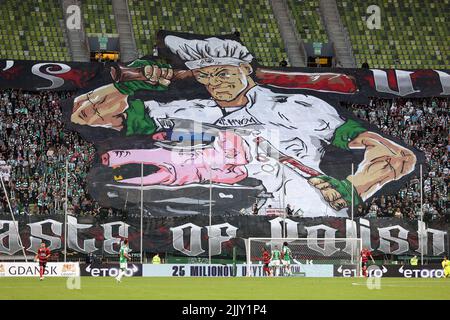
[[210, 130], [204, 129], [192, 236]]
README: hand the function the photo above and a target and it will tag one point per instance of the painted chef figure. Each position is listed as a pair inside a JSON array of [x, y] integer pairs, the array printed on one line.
[[254, 122]]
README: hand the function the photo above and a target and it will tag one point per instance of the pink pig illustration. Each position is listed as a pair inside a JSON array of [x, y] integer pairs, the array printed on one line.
[[224, 160]]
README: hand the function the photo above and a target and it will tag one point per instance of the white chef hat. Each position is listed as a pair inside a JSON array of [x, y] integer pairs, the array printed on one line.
[[208, 52]]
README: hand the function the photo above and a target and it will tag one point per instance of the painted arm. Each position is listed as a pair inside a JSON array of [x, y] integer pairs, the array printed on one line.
[[384, 161], [102, 107], [108, 105]]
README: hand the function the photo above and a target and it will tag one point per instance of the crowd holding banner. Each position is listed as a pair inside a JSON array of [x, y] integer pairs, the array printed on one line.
[[44, 123]]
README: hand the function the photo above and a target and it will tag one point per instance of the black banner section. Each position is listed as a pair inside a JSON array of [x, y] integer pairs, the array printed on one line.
[[188, 236], [43, 75], [347, 84]]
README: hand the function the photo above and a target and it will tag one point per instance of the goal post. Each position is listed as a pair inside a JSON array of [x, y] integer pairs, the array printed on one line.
[[306, 251]]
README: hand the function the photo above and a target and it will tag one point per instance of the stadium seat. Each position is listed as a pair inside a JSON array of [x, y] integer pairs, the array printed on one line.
[[98, 17], [307, 20], [31, 30], [404, 25]]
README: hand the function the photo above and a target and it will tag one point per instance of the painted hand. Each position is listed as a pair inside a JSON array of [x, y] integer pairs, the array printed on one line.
[[384, 161], [103, 107], [158, 75]]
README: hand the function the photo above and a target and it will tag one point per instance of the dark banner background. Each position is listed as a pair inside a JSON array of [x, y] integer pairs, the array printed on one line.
[[48, 75], [158, 233]]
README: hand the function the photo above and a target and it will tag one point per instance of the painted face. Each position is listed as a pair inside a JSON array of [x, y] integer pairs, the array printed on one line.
[[225, 82]]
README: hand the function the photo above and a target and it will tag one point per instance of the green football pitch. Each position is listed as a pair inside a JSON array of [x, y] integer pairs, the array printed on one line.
[[158, 288]]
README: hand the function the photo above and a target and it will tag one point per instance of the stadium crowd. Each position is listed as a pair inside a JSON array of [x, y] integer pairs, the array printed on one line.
[[35, 146]]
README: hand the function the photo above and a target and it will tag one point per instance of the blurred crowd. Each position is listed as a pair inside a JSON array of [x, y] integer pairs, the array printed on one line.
[[34, 147], [423, 124]]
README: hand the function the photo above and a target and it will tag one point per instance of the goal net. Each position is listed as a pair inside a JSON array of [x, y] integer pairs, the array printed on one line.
[[304, 251]]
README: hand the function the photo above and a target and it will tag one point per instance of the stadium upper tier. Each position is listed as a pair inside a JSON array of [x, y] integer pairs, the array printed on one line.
[[254, 20], [32, 30], [98, 17], [307, 20], [412, 34]]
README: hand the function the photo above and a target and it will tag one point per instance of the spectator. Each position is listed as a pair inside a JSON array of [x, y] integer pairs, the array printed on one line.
[[373, 211], [90, 258], [255, 209], [283, 63], [360, 210], [289, 211], [398, 213]]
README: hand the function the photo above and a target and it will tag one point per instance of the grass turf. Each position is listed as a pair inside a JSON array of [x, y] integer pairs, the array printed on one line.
[[159, 288]]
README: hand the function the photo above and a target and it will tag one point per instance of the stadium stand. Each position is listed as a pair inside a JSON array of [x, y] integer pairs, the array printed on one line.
[[307, 20], [253, 19], [38, 160], [32, 30], [413, 33], [99, 17]]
